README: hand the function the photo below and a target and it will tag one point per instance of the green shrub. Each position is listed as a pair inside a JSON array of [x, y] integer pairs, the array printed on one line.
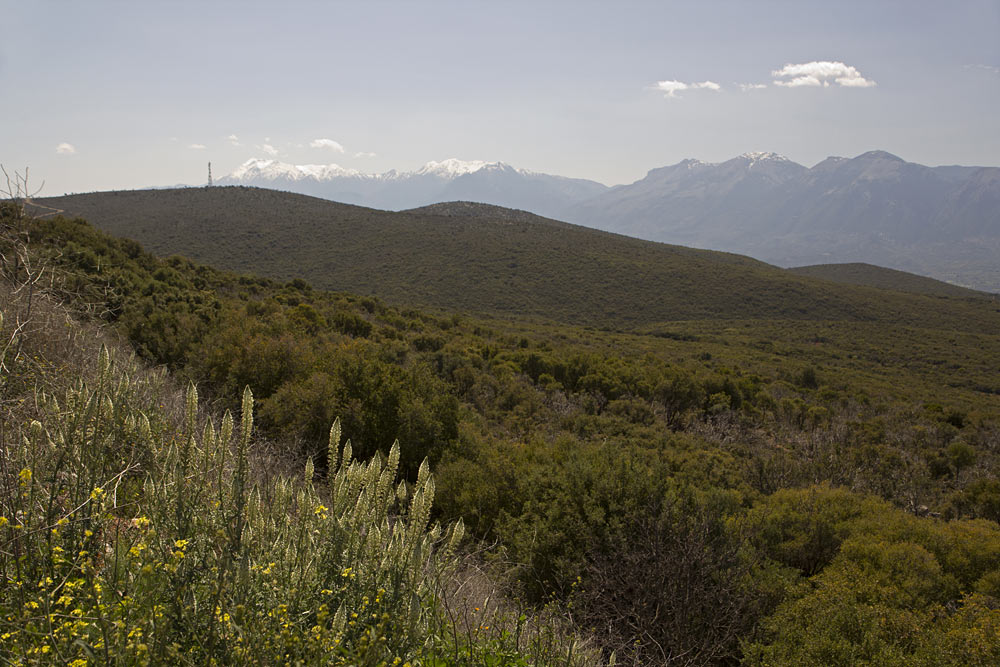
[[124, 540]]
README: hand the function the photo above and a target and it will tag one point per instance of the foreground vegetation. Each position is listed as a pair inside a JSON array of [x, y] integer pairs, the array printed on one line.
[[696, 492], [134, 529]]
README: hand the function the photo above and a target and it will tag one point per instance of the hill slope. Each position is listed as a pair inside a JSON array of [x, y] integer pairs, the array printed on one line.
[[519, 264], [883, 278], [875, 208]]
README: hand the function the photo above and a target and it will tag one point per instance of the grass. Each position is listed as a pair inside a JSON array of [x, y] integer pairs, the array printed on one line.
[[135, 529], [883, 278], [514, 265], [572, 448]]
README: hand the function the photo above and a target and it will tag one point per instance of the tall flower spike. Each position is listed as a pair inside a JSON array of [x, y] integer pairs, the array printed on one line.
[[457, 532], [423, 473], [333, 448], [227, 429], [208, 435], [145, 430], [392, 465], [104, 364], [247, 417], [191, 408], [347, 454]]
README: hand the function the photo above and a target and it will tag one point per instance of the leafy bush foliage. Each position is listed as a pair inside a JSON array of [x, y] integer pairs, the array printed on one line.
[[775, 492], [125, 540]]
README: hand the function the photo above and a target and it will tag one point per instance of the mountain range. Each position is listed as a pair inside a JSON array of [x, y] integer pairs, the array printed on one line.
[[875, 208], [449, 180]]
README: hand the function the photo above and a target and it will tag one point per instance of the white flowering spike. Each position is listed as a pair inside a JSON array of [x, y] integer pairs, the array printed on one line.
[[333, 447], [457, 533], [103, 364], [347, 454], [423, 473], [227, 429], [191, 408], [392, 465], [247, 418]]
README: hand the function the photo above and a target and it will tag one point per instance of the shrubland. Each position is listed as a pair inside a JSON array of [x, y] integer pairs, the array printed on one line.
[[137, 527], [691, 492]]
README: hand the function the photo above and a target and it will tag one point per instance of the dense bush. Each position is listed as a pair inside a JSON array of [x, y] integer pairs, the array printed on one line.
[[125, 540], [731, 491]]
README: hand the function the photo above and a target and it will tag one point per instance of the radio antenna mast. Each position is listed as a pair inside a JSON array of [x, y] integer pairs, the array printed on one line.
[[209, 174]]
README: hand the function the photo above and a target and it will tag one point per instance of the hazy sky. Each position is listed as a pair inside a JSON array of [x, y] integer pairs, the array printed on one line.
[[104, 95]]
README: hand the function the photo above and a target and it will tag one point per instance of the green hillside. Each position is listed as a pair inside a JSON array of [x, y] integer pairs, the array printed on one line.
[[515, 264], [764, 476], [877, 276]]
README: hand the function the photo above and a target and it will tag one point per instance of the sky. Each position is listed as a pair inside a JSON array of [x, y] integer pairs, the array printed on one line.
[[116, 95]]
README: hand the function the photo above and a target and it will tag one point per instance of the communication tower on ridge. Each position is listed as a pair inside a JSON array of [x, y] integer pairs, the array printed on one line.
[[209, 174]]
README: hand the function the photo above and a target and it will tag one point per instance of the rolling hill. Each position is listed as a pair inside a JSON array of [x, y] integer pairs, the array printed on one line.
[[883, 278], [472, 259]]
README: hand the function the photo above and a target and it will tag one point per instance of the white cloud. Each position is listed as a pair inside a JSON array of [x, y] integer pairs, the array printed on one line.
[[326, 143], [364, 154], [820, 73], [671, 88], [752, 86], [66, 149], [989, 68], [197, 147], [268, 149], [234, 140]]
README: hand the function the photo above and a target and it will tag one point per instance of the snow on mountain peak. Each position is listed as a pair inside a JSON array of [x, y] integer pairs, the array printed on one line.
[[273, 170], [257, 168], [453, 167], [759, 156], [692, 163]]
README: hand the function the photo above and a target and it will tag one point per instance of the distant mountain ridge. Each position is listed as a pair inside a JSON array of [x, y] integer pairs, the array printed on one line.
[[875, 208], [449, 180]]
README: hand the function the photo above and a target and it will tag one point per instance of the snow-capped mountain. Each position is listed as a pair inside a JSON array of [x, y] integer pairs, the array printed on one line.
[[875, 208], [272, 170], [488, 182]]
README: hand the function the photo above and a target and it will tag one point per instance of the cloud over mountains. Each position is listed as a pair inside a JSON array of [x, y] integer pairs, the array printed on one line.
[[823, 73], [671, 88], [820, 73]]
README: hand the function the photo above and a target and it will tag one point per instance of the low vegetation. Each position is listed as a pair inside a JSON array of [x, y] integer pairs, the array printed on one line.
[[135, 529], [877, 276], [770, 491], [476, 260]]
